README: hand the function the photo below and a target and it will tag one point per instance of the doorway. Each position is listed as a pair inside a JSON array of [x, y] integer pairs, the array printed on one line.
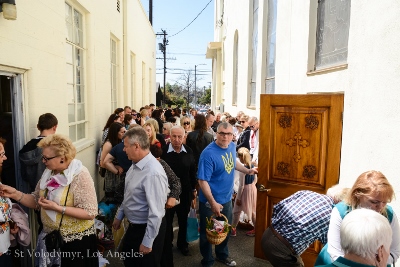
[[299, 150], [6, 132], [11, 129]]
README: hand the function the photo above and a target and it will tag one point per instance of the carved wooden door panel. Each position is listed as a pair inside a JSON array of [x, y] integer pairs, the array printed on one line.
[[300, 143]]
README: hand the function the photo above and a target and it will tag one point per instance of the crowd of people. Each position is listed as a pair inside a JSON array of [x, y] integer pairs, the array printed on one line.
[[160, 162]]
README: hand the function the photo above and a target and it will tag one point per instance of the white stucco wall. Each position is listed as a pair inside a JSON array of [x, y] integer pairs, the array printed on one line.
[[35, 43], [370, 82]]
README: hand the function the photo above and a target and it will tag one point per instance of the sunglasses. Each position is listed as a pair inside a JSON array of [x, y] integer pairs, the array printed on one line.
[[225, 134], [186, 123], [47, 159]]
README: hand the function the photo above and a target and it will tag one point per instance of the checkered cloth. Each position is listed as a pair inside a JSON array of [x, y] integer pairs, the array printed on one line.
[[303, 218]]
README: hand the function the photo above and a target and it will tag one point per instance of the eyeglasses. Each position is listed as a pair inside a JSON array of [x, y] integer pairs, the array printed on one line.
[[47, 159], [241, 122], [134, 114], [252, 126], [2, 154], [225, 134], [186, 123]]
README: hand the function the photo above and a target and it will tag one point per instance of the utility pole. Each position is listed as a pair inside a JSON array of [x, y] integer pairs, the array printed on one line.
[[195, 77], [151, 11], [188, 87], [195, 100], [163, 48]]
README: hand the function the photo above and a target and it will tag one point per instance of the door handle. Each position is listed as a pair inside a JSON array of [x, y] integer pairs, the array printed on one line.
[[262, 188]]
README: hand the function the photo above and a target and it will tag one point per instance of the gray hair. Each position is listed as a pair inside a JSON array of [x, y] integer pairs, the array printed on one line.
[[363, 232], [137, 135], [224, 125], [337, 193], [177, 127], [254, 119], [168, 125]]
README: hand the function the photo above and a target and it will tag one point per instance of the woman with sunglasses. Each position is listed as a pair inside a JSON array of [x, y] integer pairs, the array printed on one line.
[[244, 139], [65, 190], [186, 124]]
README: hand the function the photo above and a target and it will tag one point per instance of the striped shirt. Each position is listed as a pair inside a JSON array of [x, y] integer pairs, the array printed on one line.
[[303, 218]]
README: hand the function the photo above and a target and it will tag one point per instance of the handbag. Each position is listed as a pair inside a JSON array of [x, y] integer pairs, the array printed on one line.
[[54, 239], [102, 171], [192, 232]]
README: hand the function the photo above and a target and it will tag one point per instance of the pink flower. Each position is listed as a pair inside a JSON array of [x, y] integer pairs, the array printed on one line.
[[218, 226], [53, 184]]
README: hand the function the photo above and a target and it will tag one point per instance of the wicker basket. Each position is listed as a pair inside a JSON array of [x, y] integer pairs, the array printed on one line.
[[216, 239]]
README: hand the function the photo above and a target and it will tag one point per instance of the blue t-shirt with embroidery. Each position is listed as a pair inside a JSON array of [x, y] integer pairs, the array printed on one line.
[[216, 166]]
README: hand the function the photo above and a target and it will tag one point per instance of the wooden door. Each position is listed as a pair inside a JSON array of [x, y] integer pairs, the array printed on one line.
[[300, 142]]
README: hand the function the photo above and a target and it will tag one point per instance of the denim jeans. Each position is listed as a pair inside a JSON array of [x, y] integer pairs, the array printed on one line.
[[221, 250]]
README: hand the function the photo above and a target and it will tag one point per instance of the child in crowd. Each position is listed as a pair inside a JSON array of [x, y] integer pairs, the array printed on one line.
[[246, 198]]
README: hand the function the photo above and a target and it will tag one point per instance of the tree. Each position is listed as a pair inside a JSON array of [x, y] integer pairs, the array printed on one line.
[[186, 81], [206, 99]]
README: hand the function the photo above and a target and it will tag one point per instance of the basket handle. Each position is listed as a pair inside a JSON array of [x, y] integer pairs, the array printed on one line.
[[222, 215]]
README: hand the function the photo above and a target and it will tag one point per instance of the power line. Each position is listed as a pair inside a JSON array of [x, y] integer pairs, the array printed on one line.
[[193, 19]]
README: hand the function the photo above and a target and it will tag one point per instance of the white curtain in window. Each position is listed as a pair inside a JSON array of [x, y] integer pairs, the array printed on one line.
[[333, 24], [254, 54]]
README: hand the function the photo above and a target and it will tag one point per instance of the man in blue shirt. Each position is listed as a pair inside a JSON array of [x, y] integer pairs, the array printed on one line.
[[216, 178], [144, 201]]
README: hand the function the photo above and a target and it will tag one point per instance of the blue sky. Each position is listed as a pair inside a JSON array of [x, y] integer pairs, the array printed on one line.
[[188, 47]]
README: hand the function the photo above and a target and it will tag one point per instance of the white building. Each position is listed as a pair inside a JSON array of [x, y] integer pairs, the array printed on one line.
[[298, 47], [79, 60]]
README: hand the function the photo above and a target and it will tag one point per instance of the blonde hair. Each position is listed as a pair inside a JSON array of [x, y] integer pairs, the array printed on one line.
[[143, 113], [245, 117], [152, 138], [154, 123], [60, 144], [244, 156], [368, 183]]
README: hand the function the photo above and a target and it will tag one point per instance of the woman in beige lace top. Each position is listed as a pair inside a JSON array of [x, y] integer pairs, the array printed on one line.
[[66, 190]]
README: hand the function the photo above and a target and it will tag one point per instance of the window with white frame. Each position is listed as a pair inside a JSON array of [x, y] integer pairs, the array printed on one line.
[[333, 22], [271, 47], [75, 55], [252, 99], [235, 69], [133, 79], [114, 67]]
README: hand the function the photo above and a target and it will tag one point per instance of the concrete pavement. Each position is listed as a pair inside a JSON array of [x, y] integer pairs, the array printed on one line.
[[241, 249]]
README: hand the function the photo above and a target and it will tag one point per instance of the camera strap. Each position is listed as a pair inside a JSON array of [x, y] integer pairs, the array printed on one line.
[[65, 202]]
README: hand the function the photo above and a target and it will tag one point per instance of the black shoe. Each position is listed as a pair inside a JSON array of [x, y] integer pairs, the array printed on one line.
[[185, 251]]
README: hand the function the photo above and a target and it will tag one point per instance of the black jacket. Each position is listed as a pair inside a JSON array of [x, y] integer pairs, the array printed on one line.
[[32, 167], [244, 139], [198, 147]]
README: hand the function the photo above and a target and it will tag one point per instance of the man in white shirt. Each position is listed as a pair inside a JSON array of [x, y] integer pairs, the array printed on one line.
[[145, 195], [254, 138]]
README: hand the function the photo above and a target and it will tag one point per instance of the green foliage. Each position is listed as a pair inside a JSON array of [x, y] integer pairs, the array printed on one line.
[[206, 99]]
